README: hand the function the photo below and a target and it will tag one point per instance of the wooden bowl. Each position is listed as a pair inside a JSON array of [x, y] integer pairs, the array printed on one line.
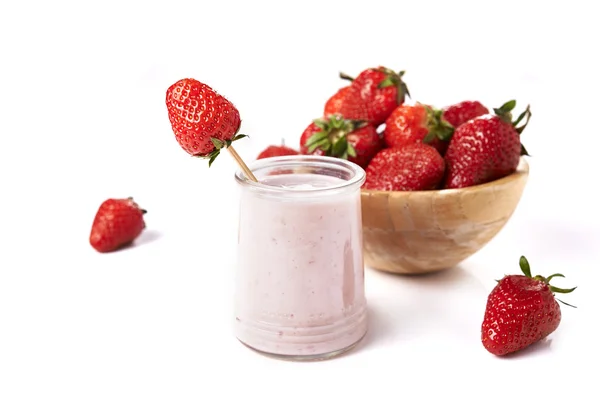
[[427, 231]]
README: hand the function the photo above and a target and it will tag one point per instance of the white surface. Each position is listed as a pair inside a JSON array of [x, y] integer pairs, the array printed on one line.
[[82, 118]]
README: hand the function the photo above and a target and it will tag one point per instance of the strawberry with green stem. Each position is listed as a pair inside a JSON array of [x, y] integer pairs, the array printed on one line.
[[203, 121], [409, 124], [335, 136], [521, 310], [333, 105], [373, 95], [505, 113], [486, 148]]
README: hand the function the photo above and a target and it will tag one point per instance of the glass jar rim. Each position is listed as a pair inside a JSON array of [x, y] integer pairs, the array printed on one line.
[[295, 161]]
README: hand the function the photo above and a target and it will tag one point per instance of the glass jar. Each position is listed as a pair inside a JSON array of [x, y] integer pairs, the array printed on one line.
[[300, 274]]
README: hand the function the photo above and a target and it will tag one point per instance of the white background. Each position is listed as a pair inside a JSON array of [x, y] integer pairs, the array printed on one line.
[[82, 118]]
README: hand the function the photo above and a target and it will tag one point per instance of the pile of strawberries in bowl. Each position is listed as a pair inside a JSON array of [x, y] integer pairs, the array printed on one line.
[[417, 146], [441, 182]]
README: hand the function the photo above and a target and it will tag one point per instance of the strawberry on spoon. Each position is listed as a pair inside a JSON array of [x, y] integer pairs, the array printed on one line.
[[203, 121]]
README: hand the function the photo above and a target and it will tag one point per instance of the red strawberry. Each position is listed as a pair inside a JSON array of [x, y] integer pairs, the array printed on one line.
[[117, 223], [459, 113], [485, 148], [202, 120], [335, 136], [276, 151], [334, 103], [416, 166], [417, 123], [520, 311], [373, 95]]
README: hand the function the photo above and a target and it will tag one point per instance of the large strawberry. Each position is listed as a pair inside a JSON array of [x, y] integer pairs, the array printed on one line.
[[117, 223], [485, 148], [520, 310], [417, 123], [373, 95], [203, 121], [335, 136], [459, 113], [416, 166]]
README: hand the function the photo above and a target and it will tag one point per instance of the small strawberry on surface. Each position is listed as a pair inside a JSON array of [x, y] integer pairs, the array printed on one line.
[[373, 95], [203, 121], [416, 166], [459, 113], [117, 223], [520, 310], [356, 141], [485, 148], [409, 124]]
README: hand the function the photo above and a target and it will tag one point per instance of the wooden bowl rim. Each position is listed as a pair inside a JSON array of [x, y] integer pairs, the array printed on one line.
[[521, 172]]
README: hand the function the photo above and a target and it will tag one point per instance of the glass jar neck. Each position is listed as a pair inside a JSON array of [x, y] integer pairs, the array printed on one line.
[[302, 176]]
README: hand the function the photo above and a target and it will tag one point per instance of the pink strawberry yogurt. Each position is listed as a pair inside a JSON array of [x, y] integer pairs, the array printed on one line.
[[300, 275]]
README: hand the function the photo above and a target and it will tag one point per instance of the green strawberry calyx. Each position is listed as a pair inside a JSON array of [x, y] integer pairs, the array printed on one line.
[[437, 126], [394, 79], [526, 269], [505, 114], [332, 136], [219, 144]]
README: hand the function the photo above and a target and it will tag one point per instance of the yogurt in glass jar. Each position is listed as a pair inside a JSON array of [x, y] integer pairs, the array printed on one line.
[[299, 290]]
